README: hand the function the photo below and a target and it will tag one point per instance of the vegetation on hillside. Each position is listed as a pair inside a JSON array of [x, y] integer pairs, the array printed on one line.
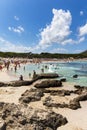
[[42, 55]]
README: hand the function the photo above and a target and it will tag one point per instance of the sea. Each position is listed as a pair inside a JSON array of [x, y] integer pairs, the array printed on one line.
[[63, 69]]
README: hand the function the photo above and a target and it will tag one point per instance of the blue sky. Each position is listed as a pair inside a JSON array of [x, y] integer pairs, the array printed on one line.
[[56, 26]]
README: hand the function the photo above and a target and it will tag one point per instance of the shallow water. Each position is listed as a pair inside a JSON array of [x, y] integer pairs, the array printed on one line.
[[64, 69]]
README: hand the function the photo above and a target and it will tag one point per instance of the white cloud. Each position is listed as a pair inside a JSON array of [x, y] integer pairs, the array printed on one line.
[[58, 30], [83, 30], [59, 50], [69, 41], [18, 29], [16, 18], [81, 13], [78, 51], [6, 46], [81, 39]]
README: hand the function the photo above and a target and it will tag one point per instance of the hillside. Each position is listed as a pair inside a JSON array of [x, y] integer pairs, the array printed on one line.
[[43, 55]]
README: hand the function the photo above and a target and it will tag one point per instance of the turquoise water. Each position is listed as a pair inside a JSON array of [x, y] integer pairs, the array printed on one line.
[[64, 69]]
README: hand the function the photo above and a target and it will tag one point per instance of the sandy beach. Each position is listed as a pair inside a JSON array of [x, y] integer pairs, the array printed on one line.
[[77, 119]]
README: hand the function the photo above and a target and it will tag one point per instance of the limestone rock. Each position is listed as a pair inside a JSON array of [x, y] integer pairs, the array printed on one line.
[[49, 83]]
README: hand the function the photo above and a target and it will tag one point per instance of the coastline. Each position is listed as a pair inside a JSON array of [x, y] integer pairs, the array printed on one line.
[[76, 118]]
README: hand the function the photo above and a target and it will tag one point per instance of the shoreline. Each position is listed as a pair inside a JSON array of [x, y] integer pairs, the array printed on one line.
[[76, 118]]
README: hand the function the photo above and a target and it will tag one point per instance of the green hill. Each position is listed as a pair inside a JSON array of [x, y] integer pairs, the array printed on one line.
[[43, 55]]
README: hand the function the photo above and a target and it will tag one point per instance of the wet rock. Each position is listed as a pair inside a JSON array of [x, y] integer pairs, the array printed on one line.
[[31, 96], [18, 83], [75, 76], [48, 84], [63, 80], [47, 75]]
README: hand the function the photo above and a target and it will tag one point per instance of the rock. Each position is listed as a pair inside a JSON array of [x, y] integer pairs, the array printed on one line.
[[2, 125], [63, 80], [19, 83], [44, 119], [49, 103], [47, 75], [2, 84], [75, 76], [14, 118], [48, 84], [26, 82], [82, 97], [31, 96], [73, 104], [61, 92]]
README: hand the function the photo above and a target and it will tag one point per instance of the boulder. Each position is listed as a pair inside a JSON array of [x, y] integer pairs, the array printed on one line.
[[48, 84], [19, 83], [75, 76], [47, 75], [63, 80]]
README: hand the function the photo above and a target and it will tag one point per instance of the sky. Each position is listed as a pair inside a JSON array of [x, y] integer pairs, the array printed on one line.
[[54, 26]]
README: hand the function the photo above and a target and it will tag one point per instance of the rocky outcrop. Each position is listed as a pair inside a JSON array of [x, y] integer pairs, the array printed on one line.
[[31, 96], [73, 104], [46, 75], [48, 84], [26, 82], [19, 83], [51, 120], [61, 92], [2, 125], [49, 103], [29, 119], [2, 84]]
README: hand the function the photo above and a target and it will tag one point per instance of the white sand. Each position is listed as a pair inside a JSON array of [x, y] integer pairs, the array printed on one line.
[[77, 119], [4, 77]]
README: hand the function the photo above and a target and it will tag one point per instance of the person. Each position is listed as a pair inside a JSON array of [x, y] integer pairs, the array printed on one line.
[[24, 67], [21, 78], [15, 68], [34, 74], [29, 75], [42, 70]]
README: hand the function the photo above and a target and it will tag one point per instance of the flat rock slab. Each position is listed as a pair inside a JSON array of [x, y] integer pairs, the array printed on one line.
[[49, 83]]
